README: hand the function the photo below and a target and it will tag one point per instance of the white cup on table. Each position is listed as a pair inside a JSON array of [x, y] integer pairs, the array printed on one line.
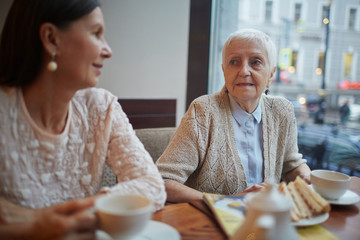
[[123, 216], [330, 184]]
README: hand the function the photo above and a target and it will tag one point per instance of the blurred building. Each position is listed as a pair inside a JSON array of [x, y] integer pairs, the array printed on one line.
[[312, 54]]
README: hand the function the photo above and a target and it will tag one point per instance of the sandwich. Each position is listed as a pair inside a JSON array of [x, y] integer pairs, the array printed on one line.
[[305, 202]]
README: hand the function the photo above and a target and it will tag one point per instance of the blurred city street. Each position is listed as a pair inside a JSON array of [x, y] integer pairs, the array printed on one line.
[[333, 117], [330, 145]]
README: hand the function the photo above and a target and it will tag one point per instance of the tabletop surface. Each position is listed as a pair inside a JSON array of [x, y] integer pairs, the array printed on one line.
[[194, 221]]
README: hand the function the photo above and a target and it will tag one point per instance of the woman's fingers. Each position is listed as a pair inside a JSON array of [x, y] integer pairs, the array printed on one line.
[[62, 221], [82, 221], [256, 187], [74, 206], [306, 177]]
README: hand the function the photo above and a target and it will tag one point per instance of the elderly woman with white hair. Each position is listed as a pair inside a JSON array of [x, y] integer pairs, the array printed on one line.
[[237, 139]]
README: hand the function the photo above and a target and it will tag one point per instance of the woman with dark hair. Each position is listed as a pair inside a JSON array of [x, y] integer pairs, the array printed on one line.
[[56, 130]]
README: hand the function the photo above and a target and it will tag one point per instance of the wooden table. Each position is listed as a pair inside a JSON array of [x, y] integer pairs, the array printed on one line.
[[192, 223]]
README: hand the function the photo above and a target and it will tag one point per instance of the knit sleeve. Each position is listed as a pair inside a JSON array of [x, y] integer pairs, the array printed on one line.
[[131, 163], [181, 158]]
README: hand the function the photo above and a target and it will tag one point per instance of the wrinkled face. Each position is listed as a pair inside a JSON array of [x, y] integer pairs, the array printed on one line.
[[246, 70], [82, 51]]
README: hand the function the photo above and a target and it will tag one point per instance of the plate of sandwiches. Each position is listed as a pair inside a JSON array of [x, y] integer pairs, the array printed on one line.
[[307, 206]]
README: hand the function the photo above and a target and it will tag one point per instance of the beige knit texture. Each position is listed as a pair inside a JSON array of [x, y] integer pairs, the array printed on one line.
[[203, 154]]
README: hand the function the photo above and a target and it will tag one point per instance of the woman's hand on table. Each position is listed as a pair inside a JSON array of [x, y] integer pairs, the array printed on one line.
[[302, 170], [256, 187], [12, 213], [69, 220]]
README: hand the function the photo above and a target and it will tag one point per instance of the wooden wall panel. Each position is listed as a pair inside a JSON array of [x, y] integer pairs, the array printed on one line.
[[150, 113]]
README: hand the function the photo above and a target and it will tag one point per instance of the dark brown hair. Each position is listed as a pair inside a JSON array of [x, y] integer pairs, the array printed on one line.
[[20, 47]]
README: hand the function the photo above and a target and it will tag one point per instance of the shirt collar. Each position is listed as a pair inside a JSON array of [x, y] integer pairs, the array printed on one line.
[[241, 115]]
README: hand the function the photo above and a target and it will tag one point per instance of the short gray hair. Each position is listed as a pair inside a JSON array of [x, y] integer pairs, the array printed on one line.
[[251, 34]]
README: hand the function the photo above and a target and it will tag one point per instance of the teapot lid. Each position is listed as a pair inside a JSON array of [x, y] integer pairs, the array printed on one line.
[[269, 199]]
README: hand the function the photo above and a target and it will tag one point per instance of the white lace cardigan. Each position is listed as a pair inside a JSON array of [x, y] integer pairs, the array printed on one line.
[[38, 169], [203, 154]]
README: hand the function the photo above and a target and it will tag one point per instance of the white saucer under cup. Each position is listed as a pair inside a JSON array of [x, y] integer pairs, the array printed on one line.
[[348, 198]]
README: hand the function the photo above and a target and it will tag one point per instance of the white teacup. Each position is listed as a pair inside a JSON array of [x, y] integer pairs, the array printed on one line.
[[123, 216], [330, 184]]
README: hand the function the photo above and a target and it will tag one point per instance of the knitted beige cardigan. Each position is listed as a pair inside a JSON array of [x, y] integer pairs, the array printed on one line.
[[203, 155]]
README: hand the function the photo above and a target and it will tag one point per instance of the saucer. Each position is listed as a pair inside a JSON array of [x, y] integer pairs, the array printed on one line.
[[311, 221], [153, 231], [348, 198]]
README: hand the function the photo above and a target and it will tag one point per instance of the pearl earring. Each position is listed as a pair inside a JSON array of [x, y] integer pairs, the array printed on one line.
[[52, 65]]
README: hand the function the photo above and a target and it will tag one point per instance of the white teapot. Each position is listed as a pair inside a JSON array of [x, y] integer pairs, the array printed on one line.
[[267, 217]]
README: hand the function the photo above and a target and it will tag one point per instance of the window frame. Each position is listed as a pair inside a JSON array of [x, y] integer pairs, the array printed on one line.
[[199, 49], [303, 14], [319, 19], [271, 12], [354, 62], [347, 17]]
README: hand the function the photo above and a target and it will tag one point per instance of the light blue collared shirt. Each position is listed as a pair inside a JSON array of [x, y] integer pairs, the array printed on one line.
[[249, 141]]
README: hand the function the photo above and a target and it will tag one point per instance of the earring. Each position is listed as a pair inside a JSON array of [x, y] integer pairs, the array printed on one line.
[[267, 91], [52, 65]]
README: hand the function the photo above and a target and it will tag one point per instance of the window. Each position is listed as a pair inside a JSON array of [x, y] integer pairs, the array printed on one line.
[[347, 64], [268, 11], [321, 63], [325, 14], [316, 90], [288, 59], [292, 68], [297, 14], [352, 19]]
